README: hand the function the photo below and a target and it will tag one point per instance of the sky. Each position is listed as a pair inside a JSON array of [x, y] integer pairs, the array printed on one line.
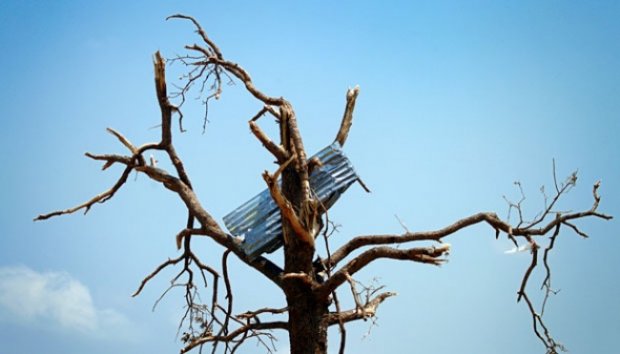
[[459, 99]]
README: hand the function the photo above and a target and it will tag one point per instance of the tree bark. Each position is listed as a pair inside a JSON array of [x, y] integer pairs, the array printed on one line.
[[307, 323], [308, 313]]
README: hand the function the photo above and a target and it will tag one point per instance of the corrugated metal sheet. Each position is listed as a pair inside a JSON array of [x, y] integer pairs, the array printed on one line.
[[258, 220]]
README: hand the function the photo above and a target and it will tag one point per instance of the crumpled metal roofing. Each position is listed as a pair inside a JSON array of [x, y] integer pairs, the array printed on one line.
[[258, 221]]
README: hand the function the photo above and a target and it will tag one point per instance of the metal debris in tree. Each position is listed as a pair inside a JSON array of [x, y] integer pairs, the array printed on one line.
[[258, 221]]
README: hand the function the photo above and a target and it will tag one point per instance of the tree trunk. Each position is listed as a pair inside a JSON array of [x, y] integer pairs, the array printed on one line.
[[308, 328], [307, 312]]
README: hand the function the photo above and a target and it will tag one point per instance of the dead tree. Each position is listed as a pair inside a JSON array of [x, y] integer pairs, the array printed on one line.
[[308, 281]]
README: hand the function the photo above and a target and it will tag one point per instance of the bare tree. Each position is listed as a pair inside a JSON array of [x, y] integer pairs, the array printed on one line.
[[308, 281]]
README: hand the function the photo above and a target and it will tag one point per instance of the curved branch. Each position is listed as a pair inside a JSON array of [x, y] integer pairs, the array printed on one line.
[[490, 218], [422, 255], [374, 240], [159, 268], [186, 233], [200, 31], [280, 154], [237, 71], [209, 226], [99, 198]]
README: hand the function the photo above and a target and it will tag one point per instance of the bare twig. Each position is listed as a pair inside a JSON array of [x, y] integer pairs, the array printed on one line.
[[99, 198], [159, 268], [546, 284]]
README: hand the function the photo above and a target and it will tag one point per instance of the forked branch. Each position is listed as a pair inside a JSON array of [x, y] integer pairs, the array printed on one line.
[[542, 225], [490, 218]]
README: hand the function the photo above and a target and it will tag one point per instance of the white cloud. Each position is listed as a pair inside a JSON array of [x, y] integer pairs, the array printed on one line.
[[55, 298]]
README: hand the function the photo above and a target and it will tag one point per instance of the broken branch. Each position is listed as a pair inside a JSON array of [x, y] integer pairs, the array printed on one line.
[[347, 117], [285, 206]]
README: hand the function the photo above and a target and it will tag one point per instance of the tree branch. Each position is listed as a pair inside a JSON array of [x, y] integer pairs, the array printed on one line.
[[488, 217], [277, 150], [285, 206], [209, 225], [203, 34], [234, 334], [110, 159], [99, 198], [373, 240], [368, 310], [347, 118], [159, 268], [422, 254]]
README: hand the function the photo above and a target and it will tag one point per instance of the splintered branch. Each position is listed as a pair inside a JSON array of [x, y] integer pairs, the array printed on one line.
[[285, 206], [294, 144], [347, 118]]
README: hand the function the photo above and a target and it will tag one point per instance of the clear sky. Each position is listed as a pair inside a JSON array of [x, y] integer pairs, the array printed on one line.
[[458, 100]]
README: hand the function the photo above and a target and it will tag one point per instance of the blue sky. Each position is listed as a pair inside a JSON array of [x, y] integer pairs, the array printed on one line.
[[458, 100]]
